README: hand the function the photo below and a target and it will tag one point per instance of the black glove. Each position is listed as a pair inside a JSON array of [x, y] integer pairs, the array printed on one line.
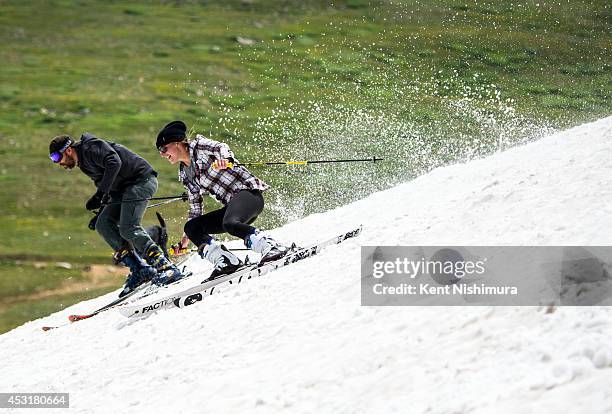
[[92, 222], [95, 201]]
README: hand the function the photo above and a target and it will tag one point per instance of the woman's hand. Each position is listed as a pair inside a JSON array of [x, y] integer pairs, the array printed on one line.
[[181, 247], [222, 164]]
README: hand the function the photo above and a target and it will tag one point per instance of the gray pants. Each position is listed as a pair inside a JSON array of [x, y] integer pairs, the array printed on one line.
[[120, 223]]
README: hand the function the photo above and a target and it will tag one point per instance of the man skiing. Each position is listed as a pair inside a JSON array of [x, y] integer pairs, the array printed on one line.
[[206, 167], [120, 176]]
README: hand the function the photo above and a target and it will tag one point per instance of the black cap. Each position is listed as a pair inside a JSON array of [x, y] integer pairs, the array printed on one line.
[[60, 143], [175, 131]]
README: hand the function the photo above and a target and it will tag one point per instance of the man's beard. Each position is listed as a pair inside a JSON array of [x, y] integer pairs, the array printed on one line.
[[69, 164]]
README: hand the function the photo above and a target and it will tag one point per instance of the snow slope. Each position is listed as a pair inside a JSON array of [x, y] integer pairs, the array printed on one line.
[[298, 340]]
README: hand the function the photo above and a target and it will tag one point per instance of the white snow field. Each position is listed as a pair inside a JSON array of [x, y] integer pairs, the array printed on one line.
[[298, 340]]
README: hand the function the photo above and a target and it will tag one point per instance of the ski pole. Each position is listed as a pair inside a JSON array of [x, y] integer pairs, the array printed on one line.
[[170, 200], [165, 202], [92, 222], [195, 250], [262, 163]]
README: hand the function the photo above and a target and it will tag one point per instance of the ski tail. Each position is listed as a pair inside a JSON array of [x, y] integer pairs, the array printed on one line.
[[76, 318]]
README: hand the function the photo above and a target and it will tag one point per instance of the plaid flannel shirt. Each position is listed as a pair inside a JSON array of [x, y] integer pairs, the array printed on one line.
[[222, 185]]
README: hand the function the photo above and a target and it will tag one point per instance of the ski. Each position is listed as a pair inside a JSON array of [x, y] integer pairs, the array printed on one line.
[[75, 318], [197, 293], [120, 301], [146, 288], [116, 302]]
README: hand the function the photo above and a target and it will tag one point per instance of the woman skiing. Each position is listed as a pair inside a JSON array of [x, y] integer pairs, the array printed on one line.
[[207, 167]]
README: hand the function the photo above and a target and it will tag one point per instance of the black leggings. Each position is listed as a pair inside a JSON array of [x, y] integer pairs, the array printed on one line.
[[234, 218]]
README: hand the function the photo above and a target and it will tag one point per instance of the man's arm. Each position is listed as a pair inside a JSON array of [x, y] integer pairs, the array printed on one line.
[[103, 155]]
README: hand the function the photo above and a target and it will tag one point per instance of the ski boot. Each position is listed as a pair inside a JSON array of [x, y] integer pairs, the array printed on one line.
[[266, 246], [167, 272], [224, 261], [140, 272]]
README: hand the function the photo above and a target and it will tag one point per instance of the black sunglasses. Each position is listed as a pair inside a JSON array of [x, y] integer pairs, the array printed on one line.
[[163, 150]]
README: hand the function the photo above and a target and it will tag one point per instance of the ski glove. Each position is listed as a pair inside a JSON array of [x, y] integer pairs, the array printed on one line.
[[95, 201], [94, 220]]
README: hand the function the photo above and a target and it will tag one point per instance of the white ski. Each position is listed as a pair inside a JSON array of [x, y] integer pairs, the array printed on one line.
[[197, 293]]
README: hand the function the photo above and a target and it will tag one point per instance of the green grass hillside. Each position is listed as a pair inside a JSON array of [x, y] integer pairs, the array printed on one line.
[[420, 83]]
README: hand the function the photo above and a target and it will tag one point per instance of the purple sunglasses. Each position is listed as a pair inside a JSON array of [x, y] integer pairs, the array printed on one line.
[[57, 155]]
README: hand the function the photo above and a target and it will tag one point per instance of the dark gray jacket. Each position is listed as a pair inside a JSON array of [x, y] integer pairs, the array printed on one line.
[[111, 166]]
